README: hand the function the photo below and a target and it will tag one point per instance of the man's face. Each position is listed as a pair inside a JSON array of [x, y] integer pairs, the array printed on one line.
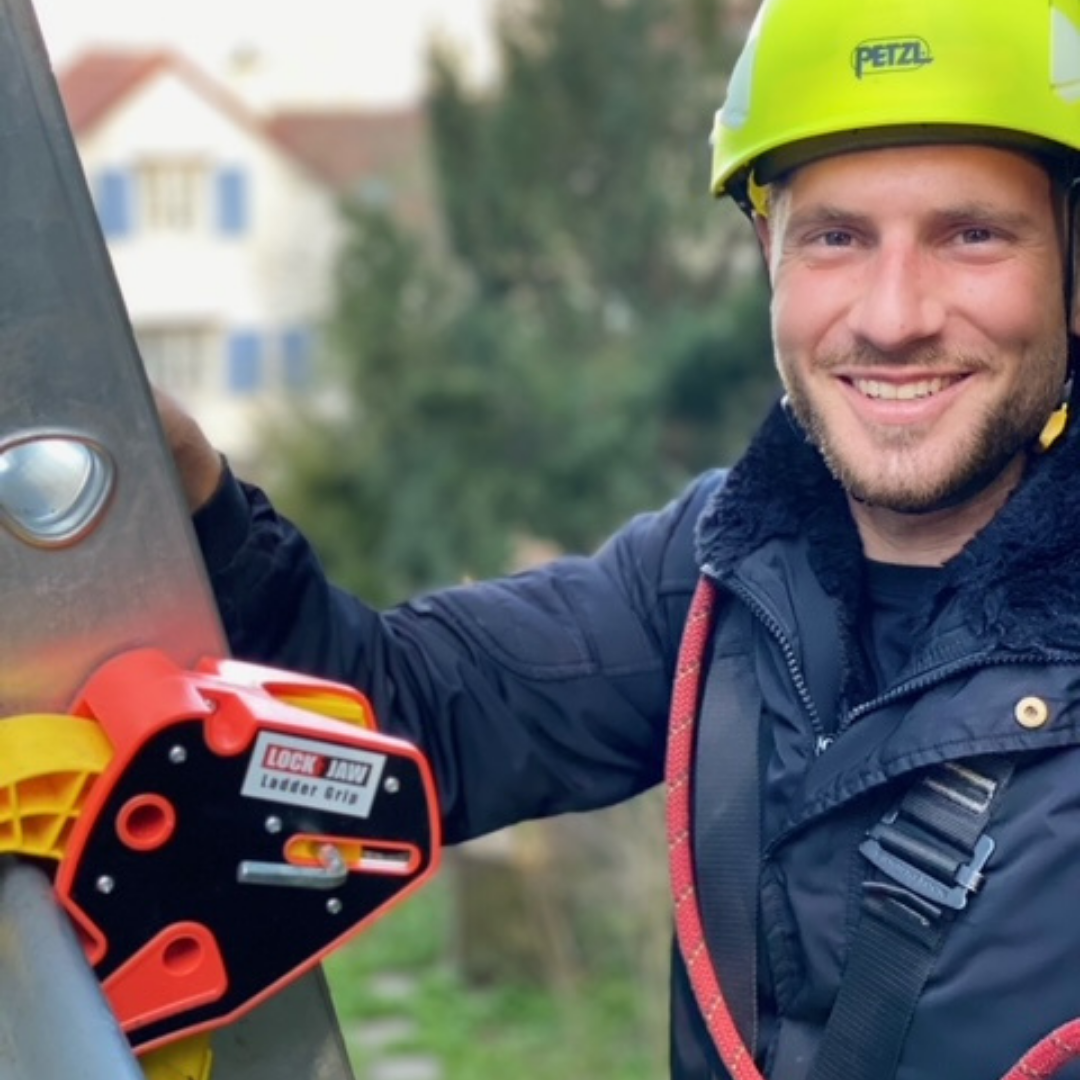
[[918, 316]]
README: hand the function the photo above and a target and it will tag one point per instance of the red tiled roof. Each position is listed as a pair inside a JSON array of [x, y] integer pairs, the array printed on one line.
[[98, 81], [340, 147], [344, 146]]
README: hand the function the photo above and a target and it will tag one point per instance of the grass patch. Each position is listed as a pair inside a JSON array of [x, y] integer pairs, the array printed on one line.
[[522, 1032]]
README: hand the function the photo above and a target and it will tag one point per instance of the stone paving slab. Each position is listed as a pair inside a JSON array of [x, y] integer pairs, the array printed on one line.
[[392, 986], [412, 1067], [381, 1034]]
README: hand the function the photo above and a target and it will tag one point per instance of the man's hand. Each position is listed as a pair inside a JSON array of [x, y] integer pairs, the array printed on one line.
[[199, 464]]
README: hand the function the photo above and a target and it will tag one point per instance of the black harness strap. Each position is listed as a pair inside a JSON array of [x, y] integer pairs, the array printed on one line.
[[932, 849], [727, 811]]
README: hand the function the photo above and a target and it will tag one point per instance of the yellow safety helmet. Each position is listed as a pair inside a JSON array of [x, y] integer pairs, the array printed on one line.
[[818, 77]]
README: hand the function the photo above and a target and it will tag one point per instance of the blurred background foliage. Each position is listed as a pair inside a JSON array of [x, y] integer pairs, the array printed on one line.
[[589, 332]]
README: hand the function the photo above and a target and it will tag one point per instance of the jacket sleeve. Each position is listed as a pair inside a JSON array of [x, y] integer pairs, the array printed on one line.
[[531, 695]]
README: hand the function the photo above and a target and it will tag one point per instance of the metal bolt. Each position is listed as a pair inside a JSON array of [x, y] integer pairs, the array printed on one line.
[[105, 884], [334, 905], [177, 755], [273, 824], [392, 785]]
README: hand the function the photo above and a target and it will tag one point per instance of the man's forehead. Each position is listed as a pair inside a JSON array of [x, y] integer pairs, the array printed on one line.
[[991, 170]]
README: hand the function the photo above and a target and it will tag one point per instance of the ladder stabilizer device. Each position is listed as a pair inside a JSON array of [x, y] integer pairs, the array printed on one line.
[[218, 831]]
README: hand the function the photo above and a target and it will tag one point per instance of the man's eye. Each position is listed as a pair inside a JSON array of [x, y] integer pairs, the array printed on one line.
[[976, 234], [836, 238]]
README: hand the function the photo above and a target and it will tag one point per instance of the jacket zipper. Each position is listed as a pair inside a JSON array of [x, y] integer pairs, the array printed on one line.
[[772, 625], [926, 679], [916, 683]]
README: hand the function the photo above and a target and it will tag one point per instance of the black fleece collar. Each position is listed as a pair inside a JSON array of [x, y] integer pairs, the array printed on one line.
[[1015, 585]]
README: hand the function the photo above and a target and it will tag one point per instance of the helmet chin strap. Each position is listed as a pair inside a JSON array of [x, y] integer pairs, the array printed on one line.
[[1056, 425]]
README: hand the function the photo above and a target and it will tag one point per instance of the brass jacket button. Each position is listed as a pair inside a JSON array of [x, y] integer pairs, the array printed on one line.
[[1031, 712]]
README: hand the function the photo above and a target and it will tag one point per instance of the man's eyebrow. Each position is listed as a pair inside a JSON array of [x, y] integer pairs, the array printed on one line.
[[823, 214], [978, 211], [973, 211]]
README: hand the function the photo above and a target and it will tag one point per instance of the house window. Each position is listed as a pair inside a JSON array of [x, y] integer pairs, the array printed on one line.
[[296, 358], [245, 362], [172, 196], [233, 202], [179, 359], [113, 195]]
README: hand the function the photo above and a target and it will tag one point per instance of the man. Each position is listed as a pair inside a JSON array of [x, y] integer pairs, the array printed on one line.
[[872, 754]]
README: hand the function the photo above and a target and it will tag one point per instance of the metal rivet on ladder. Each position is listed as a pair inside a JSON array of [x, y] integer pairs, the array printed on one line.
[[1031, 712]]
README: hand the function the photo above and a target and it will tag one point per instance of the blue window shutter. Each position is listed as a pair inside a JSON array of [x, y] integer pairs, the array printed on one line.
[[233, 202], [115, 198], [245, 362], [296, 352]]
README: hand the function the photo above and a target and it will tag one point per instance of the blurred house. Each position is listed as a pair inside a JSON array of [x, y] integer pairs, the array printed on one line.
[[223, 223]]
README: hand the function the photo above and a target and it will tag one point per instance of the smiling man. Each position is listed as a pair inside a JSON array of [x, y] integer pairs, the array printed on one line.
[[920, 329], [855, 656]]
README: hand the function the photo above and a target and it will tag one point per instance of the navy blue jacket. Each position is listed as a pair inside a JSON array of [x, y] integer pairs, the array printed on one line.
[[548, 692]]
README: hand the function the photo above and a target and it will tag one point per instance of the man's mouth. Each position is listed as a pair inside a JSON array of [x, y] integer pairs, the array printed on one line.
[[879, 390]]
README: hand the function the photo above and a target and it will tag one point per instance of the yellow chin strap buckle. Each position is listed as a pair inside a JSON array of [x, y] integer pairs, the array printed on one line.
[[758, 194], [1055, 427]]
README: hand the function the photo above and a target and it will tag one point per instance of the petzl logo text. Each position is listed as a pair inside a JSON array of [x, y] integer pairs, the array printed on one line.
[[890, 55]]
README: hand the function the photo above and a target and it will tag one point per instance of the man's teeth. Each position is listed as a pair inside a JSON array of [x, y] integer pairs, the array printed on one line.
[[909, 391]]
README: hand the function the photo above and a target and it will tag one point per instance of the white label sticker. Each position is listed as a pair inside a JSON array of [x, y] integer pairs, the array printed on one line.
[[302, 772]]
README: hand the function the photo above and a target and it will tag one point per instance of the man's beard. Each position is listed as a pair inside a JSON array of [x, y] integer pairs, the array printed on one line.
[[992, 441]]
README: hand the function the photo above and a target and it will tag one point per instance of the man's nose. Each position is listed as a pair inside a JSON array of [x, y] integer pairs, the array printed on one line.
[[900, 300]]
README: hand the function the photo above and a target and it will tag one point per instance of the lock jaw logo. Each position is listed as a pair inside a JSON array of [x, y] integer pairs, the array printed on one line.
[[887, 55], [314, 774]]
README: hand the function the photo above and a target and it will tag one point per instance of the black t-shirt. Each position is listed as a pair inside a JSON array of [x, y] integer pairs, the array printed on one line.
[[896, 597]]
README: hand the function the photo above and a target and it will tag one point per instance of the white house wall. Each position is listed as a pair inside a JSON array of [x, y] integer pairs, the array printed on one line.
[[205, 274], [274, 277]]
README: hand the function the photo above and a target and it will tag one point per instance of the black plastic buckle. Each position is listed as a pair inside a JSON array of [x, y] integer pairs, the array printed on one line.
[[966, 880]]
